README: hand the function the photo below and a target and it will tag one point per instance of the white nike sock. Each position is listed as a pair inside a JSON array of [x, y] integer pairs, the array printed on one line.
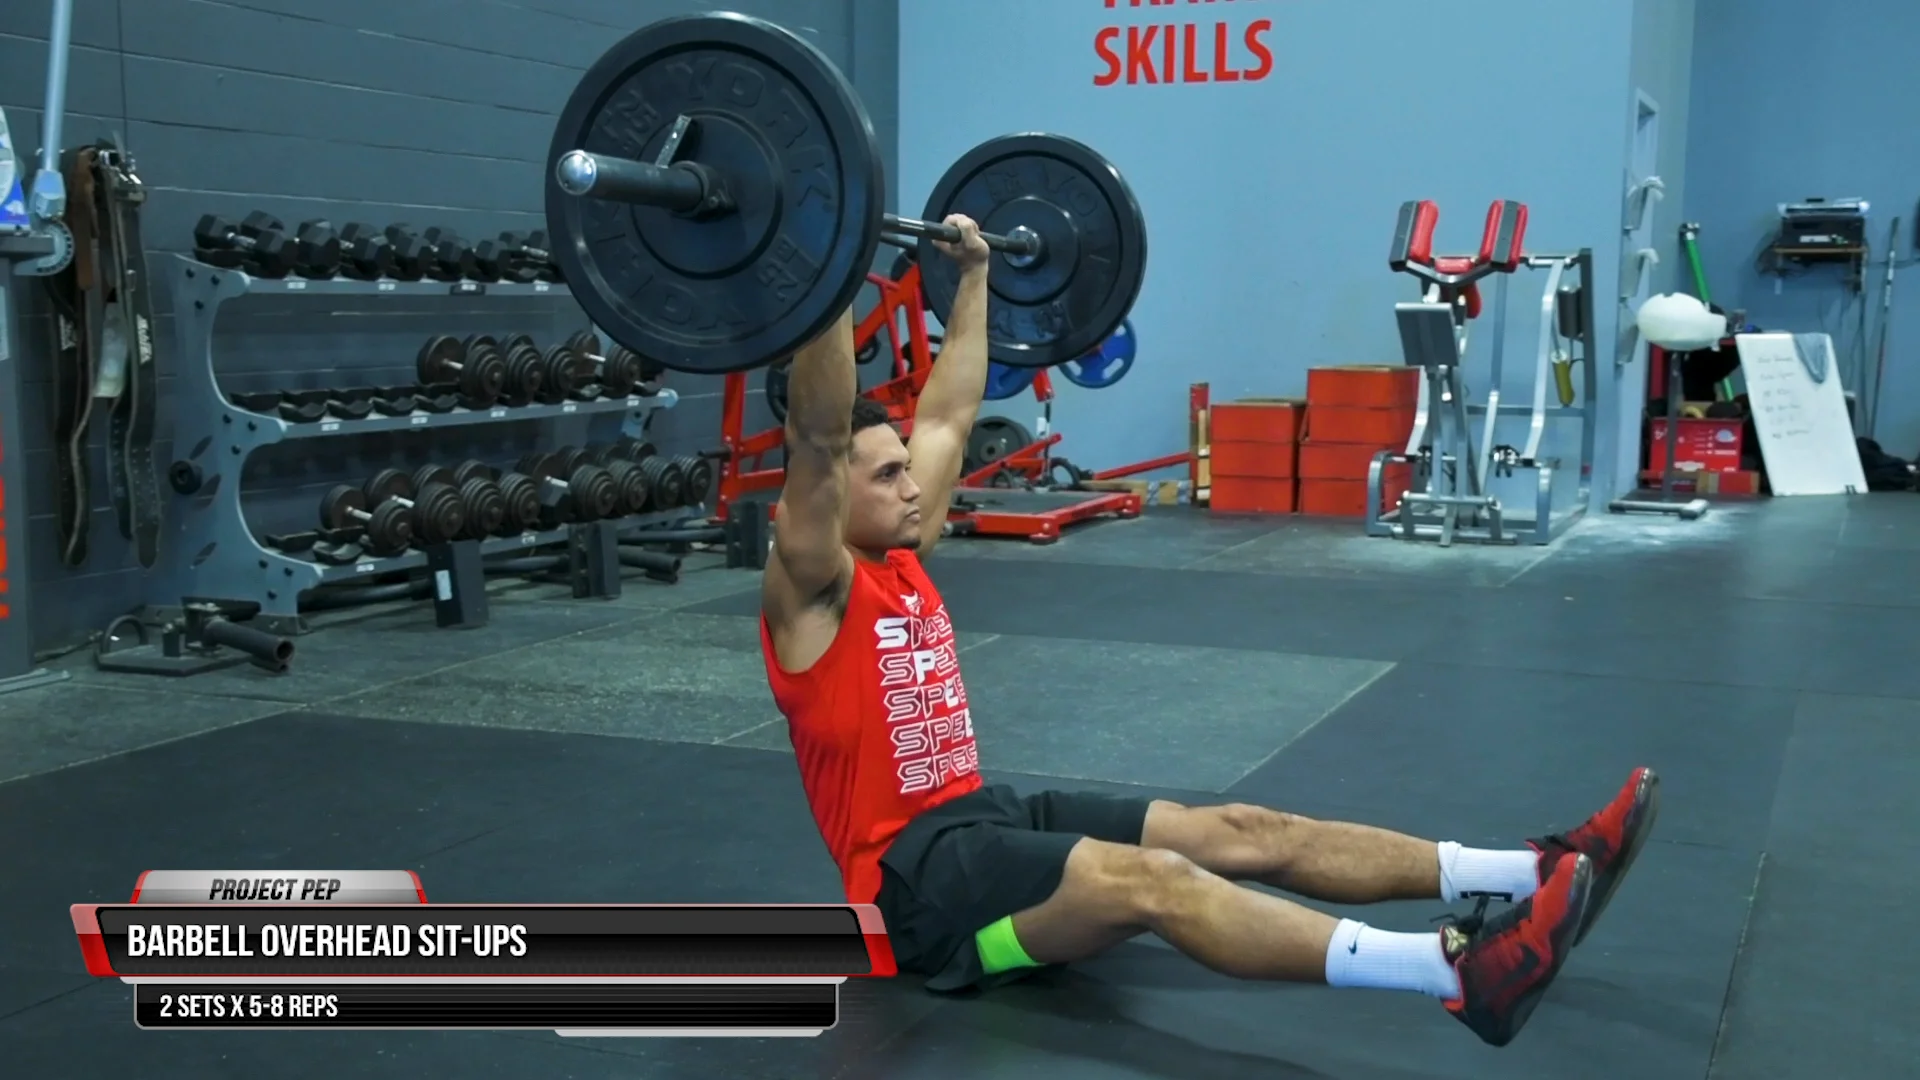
[[1364, 958], [1468, 872]]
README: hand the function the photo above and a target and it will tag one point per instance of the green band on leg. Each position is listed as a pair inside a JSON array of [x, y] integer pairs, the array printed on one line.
[[1000, 949]]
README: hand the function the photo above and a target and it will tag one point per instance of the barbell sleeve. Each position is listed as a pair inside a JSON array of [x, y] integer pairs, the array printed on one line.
[[600, 176], [1026, 243]]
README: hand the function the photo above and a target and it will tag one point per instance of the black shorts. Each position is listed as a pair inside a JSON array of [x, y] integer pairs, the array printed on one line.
[[969, 862]]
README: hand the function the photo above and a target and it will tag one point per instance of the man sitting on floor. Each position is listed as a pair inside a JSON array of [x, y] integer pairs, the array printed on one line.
[[978, 884]]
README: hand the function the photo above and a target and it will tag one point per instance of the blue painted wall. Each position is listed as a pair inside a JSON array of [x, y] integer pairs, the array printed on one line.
[[1788, 104], [1271, 200], [425, 112], [1660, 66]]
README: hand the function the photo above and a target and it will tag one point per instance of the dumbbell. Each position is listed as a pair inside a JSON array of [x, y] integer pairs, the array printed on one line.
[[437, 512], [302, 406], [568, 375], [699, 477], [627, 477], [666, 480], [526, 371], [624, 450], [316, 250], [587, 494], [258, 245], [562, 375], [449, 257], [482, 499], [489, 261], [477, 367], [617, 369], [345, 403], [365, 254], [411, 254], [529, 257], [519, 494], [388, 529], [396, 400]]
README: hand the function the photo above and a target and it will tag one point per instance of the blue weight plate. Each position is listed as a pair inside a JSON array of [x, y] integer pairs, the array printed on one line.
[[1004, 382], [1106, 365]]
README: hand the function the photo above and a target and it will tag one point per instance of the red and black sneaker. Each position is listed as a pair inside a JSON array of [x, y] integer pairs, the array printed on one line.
[[1611, 838], [1506, 962]]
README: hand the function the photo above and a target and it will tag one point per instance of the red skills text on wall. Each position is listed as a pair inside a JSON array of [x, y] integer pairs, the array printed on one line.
[[1173, 50]]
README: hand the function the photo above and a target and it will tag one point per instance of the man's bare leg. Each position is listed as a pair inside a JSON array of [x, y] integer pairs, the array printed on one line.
[[1335, 861], [1489, 975], [1112, 892]]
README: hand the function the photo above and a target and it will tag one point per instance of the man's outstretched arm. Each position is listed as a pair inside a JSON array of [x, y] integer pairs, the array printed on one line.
[[944, 416], [810, 565]]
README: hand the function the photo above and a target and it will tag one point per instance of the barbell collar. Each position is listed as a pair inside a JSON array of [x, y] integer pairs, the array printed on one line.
[[679, 188], [1023, 243]]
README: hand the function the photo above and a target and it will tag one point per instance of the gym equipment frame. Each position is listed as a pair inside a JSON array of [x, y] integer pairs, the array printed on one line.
[[212, 554], [42, 248], [1449, 498]]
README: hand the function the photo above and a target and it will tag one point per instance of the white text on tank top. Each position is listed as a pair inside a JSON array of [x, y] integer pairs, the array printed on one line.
[[928, 723]]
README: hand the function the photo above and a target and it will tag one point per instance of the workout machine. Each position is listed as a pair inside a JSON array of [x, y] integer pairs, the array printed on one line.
[[1012, 484], [1672, 363], [1450, 497]]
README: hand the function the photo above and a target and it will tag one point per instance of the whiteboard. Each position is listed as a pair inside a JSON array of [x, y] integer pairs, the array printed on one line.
[[1805, 434]]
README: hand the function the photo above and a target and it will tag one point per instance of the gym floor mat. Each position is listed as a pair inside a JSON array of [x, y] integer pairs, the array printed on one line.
[[1786, 803]]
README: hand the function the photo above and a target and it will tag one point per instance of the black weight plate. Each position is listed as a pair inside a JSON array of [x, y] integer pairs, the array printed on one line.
[[472, 470], [390, 528], [518, 341], [432, 474], [632, 484], [698, 473], [537, 466], [584, 342], [993, 438], [1077, 293], [523, 503], [620, 371], [436, 355], [486, 507], [337, 506], [387, 484], [777, 377], [798, 154], [438, 514]]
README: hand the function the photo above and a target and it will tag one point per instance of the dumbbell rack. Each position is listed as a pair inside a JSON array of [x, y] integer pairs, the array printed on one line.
[[209, 552]]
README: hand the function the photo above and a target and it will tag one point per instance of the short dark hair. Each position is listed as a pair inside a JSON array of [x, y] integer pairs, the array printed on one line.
[[868, 413]]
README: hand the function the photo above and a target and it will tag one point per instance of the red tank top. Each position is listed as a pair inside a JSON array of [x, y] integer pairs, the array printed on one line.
[[880, 723]]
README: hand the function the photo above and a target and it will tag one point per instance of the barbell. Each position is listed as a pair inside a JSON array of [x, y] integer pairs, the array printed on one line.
[[715, 204]]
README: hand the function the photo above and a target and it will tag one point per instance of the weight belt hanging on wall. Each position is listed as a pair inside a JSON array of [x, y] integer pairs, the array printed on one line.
[[105, 351]]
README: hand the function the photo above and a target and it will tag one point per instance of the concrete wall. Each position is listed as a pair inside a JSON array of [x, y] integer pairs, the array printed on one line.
[[1271, 199], [1788, 104], [428, 112]]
